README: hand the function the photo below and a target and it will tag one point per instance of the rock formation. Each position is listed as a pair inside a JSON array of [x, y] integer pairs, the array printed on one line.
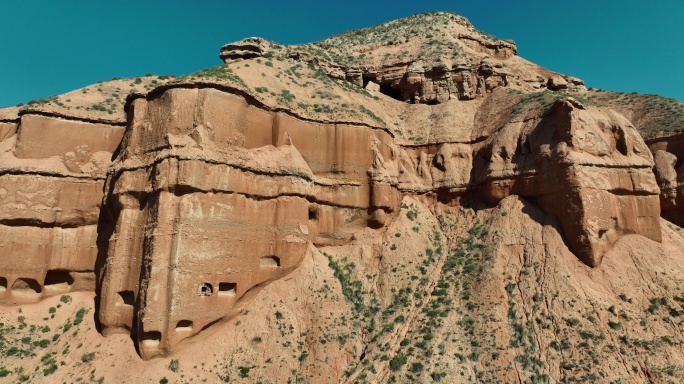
[[52, 171], [224, 182], [667, 152]]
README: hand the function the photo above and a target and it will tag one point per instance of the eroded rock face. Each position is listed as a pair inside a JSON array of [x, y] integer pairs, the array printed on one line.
[[668, 152], [207, 206], [52, 171], [212, 197], [212, 192], [244, 49], [590, 168], [416, 64]]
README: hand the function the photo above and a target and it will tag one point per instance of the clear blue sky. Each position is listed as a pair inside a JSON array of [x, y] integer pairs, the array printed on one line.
[[49, 47]]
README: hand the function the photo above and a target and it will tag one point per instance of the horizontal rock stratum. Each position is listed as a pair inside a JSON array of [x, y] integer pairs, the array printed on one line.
[[394, 189]]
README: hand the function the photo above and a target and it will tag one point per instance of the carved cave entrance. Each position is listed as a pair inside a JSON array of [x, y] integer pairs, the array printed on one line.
[[205, 289]]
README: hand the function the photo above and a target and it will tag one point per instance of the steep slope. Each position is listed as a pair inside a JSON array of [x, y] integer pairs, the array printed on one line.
[[393, 204]]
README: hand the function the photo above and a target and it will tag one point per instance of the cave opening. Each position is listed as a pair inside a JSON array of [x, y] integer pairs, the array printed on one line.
[[227, 289], [387, 90], [366, 80], [150, 338], [205, 289], [313, 214], [127, 297], [26, 286], [269, 262], [58, 277], [184, 325], [3, 284]]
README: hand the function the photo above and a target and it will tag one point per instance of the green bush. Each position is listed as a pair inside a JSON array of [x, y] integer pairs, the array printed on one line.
[[616, 326], [88, 357], [287, 95], [397, 362]]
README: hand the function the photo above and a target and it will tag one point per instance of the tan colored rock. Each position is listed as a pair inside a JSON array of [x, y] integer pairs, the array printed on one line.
[[244, 49], [557, 83], [589, 168], [266, 185], [50, 194], [667, 152], [279, 216]]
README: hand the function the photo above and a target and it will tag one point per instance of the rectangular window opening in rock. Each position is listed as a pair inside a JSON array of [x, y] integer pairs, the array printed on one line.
[[184, 325], [227, 289], [56, 277], [269, 262], [150, 338]]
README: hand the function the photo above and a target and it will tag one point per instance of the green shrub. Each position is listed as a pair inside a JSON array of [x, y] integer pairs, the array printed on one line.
[[397, 362], [244, 371], [79, 316], [287, 95], [616, 326], [572, 321], [88, 357]]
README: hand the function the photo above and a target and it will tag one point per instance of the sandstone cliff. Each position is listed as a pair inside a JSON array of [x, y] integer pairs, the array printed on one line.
[[411, 202]]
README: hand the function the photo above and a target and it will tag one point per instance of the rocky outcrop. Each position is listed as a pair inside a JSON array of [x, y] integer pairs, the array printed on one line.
[[668, 152], [589, 168], [207, 207], [414, 64], [244, 49], [211, 197], [52, 172], [220, 184]]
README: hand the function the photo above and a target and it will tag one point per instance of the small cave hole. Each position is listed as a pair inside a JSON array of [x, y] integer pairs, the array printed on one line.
[[126, 298], [269, 262], [24, 286], [391, 92], [227, 289], [621, 141], [205, 289], [3, 284], [184, 325], [313, 214], [366, 80], [58, 277], [150, 338]]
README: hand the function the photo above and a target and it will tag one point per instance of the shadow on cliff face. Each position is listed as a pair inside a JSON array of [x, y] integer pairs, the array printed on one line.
[[106, 224], [534, 211]]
